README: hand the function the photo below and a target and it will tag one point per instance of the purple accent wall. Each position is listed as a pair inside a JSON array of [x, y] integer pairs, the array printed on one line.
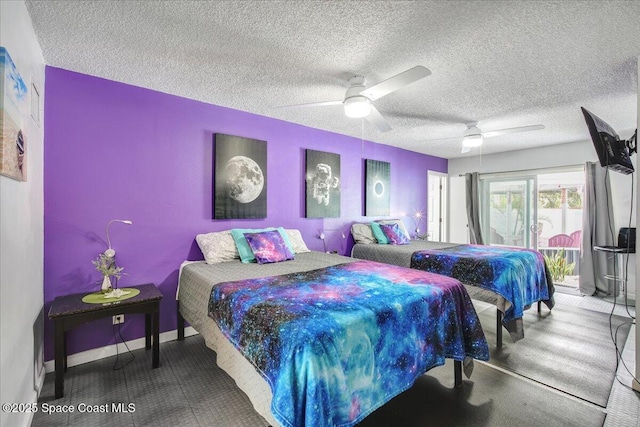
[[118, 151]]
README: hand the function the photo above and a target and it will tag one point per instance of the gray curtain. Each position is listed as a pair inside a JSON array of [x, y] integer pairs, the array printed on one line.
[[473, 208], [596, 215]]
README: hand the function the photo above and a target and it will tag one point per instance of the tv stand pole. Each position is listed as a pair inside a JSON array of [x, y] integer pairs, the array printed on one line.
[[622, 297]]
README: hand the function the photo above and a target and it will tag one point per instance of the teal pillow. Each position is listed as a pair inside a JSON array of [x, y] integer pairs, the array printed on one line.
[[246, 254], [378, 234]]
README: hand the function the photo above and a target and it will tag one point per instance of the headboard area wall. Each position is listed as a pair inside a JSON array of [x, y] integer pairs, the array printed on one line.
[[116, 151]]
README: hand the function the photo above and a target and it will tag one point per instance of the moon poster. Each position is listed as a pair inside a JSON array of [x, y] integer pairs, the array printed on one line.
[[240, 177], [323, 184], [378, 188], [13, 110]]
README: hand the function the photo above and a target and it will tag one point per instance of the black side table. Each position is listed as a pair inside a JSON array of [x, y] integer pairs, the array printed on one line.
[[69, 311]]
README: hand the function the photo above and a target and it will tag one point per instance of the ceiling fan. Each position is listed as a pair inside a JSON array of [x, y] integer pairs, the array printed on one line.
[[358, 99], [474, 137]]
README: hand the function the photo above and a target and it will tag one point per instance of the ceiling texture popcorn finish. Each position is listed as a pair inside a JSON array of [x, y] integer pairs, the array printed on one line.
[[500, 64]]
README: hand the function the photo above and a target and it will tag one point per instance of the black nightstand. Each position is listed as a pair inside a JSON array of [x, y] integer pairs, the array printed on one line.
[[69, 311]]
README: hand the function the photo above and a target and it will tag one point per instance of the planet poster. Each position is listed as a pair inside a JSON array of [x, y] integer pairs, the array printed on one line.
[[13, 110], [240, 187], [322, 184], [378, 188]]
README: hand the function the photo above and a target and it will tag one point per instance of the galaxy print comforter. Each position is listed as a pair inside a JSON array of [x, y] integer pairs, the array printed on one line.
[[336, 343], [517, 274]]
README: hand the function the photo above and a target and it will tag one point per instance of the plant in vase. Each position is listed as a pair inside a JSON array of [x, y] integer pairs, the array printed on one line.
[[106, 265]]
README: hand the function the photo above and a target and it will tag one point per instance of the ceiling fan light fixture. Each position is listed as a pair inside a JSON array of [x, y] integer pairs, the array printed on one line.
[[357, 106], [471, 141], [472, 137]]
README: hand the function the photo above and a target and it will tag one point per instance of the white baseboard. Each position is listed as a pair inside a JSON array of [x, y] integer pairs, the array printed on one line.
[[110, 350], [40, 381]]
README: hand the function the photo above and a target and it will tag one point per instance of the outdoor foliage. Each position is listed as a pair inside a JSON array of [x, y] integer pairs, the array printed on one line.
[[553, 199], [558, 266]]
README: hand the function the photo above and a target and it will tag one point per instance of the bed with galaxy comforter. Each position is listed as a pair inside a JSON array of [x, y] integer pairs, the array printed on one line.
[[511, 278], [330, 338]]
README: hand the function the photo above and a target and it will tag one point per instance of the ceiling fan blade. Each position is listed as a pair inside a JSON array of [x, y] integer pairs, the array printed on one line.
[[312, 104], [376, 119], [450, 138], [465, 150], [512, 130], [396, 82]]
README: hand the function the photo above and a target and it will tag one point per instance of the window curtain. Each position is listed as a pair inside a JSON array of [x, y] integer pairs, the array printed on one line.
[[596, 216], [473, 208]]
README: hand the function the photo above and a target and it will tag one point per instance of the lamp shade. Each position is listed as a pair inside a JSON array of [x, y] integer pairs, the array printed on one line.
[[472, 137], [472, 141], [357, 106]]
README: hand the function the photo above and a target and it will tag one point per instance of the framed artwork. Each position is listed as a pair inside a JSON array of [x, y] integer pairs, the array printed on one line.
[[378, 188], [322, 178], [240, 174], [13, 111]]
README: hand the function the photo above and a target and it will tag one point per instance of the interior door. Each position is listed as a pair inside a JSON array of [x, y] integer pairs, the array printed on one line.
[[436, 206], [509, 212]]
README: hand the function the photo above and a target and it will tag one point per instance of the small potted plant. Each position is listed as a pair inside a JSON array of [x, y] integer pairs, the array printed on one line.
[[558, 266], [106, 265]]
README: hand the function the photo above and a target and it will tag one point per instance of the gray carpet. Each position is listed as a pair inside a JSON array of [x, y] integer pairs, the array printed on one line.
[[567, 348], [188, 389]]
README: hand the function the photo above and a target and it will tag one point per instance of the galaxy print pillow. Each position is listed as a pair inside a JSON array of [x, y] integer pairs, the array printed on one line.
[[394, 234], [268, 247]]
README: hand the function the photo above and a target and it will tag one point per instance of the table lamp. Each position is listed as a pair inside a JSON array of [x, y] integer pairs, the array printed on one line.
[[110, 252]]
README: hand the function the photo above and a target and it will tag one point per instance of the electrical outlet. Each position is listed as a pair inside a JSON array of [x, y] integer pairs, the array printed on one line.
[[118, 318]]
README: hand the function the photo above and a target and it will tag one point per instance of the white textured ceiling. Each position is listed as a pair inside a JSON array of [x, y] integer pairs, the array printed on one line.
[[501, 63]]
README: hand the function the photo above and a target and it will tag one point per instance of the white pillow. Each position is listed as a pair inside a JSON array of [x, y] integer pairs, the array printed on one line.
[[218, 247], [362, 234], [396, 221], [297, 242]]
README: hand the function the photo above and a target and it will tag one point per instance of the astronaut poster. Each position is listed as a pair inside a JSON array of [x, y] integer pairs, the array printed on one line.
[[378, 188], [323, 184]]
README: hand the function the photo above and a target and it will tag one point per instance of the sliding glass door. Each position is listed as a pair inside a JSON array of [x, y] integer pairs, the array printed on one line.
[[539, 210], [509, 212]]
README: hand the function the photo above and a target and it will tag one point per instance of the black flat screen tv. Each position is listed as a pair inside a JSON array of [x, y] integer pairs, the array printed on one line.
[[612, 152]]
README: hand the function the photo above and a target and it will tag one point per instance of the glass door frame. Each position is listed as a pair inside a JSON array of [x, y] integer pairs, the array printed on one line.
[[529, 211]]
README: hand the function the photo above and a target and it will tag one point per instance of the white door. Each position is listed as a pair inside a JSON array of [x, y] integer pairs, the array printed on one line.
[[436, 206]]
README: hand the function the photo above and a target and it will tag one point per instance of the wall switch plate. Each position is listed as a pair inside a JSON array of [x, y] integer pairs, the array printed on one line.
[[118, 318]]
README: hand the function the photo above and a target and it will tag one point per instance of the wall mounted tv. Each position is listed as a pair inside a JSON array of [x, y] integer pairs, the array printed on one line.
[[613, 153]]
